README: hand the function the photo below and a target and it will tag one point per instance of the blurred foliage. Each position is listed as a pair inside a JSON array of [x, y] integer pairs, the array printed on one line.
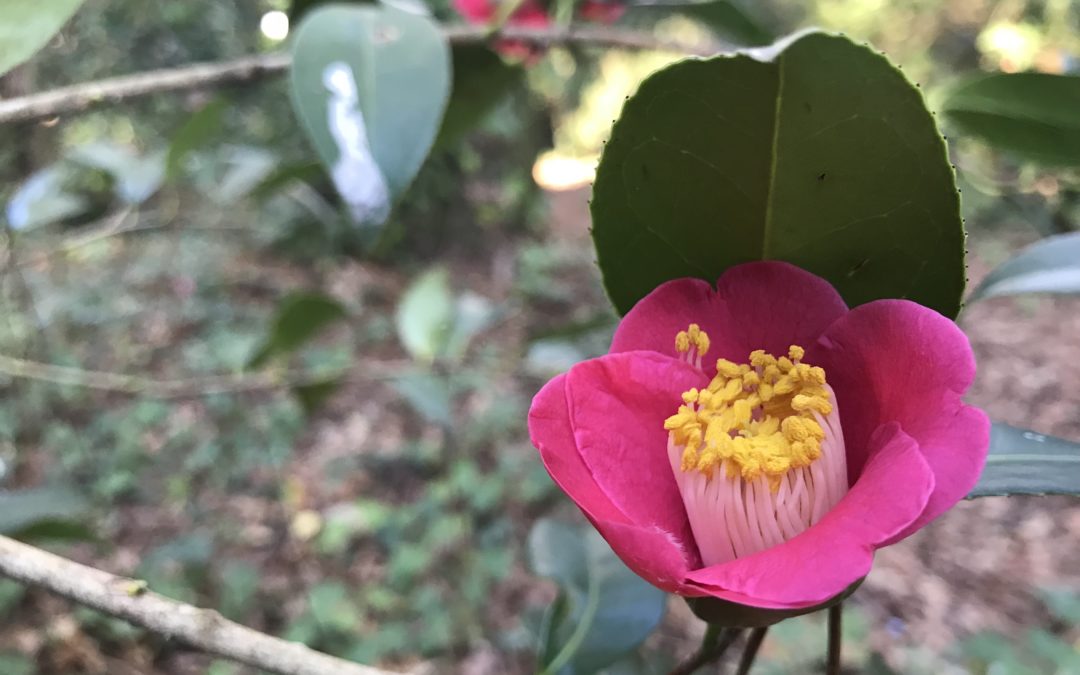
[[381, 516]]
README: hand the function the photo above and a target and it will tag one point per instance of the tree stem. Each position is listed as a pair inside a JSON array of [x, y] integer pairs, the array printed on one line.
[[832, 662], [86, 95], [751, 650], [203, 629], [715, 643]]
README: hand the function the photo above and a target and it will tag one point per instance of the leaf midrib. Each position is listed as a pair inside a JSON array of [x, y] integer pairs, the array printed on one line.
[[773, 160]]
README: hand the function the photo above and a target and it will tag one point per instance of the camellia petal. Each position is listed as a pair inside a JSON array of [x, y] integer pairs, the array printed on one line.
[[549, 427], [774, 304], [894, 360], [653, 322], [762, 305], [583, 416], [823, 561], [617, 409]]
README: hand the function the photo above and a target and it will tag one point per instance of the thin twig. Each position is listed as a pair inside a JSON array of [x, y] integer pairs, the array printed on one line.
[[115, 225], [87, 95], [84, 96], [193, 387], [713, 646], [836, 624], [750, 651], [203, 629]]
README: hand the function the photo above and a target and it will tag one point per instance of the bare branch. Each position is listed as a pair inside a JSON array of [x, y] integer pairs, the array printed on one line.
[[192, 387], [203, 629], [596, 36], [81, 97]]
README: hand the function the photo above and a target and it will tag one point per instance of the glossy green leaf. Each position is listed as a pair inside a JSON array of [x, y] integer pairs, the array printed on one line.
[[1031, 115], [1048, 266], [199, 129], [425, 317], [481, 80], [27, 25], [1023, 462], [605, 611], [816, 151], [48, 512], [300, 317], [370, 83]]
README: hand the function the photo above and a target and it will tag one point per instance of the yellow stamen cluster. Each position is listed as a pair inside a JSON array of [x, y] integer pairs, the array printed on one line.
[[759, 416], [692, 338]]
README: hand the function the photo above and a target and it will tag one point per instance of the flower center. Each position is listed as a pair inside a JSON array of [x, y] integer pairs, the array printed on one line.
[[758, 454]]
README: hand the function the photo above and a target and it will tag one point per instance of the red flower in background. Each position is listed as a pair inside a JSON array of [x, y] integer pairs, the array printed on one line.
[[533, 14]]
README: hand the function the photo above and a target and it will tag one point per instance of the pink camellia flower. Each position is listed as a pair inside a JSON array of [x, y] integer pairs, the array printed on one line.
[[755, 443], [533, 14]]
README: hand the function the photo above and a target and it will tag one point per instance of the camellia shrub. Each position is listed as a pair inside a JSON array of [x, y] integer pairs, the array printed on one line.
[[777, 225]]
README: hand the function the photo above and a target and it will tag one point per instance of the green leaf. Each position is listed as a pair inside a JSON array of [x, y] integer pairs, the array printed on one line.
[[47, 512], [727, 19], [286, 174], [28, 25], [473, 313], [556, 552], [1063, 602], [331, 606], [370, 83], [45, 198], [238, 585], [57, 529], [429, 395], [199, 129], [1032, 115], [246, 169], [312, 395], [1023, 462], [425, 317], [300, 317], [137, 177], [13, 663], [481, 80], [609, 610], [877, 665], [1055, 654], [816, 151], [1048, 266]]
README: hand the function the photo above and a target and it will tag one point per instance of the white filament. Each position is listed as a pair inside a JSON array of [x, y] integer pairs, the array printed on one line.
[[733, 518]]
